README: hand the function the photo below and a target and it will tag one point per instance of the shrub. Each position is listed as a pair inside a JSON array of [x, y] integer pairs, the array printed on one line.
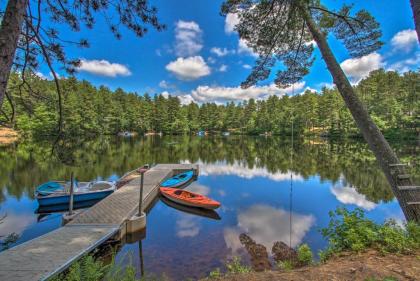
[[305, 255], [285, 265], [351, 231], [235, 266], [215, 274], [394, 239]]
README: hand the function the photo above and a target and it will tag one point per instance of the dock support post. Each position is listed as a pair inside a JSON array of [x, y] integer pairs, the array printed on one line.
[[142, 171], [70, 214], [71, 194], [138, 221]]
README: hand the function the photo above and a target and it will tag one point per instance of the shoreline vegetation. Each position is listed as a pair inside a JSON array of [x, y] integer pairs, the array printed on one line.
[[356, 246], [392, 100]]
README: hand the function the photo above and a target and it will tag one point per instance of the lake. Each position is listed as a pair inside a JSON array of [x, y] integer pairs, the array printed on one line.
[[266, 192]]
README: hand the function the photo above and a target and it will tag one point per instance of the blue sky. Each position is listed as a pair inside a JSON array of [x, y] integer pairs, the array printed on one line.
[[199, 57]]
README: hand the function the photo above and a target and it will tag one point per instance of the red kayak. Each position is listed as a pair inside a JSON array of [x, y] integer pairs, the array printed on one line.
[[189, 198]]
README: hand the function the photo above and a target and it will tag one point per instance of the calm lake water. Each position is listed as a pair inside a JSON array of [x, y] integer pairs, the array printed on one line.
[[263, 191]]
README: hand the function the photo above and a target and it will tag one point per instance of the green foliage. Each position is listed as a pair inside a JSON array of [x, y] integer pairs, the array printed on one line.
[[305, 255], [214, 274], [86, 269], [235, 266], [389, 278], [351, 231], [89, 269], [391, 99], [275, 30], [285, 265]]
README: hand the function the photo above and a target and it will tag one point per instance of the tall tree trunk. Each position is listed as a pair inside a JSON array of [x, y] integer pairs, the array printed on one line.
[[371, 133], [9, 35], [415, 6]]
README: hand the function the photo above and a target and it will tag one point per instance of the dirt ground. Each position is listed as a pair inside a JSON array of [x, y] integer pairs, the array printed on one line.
[[8, 136], [366, 266]]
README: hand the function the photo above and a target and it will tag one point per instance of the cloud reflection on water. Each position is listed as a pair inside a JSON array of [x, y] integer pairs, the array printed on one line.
[[198, 188], [266, 225], [15, 223], [349, 195], [242, 171], [189, 225]]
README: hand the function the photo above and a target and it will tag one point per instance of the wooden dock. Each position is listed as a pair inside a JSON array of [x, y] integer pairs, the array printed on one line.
[[49, 254]]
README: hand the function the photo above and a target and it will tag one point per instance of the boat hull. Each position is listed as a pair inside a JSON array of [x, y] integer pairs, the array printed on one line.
[[211, 214], [77, 197], [180, 180], [193, 200], [48, 209]]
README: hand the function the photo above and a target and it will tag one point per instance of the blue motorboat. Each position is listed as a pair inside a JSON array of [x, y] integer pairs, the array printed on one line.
[[179, 180], [48, 209], [83, 192]]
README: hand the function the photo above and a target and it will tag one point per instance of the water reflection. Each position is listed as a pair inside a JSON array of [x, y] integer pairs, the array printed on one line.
[[242, 171], [266, 225], [187, 226], [250, 176], [27, 164], [349, 195]]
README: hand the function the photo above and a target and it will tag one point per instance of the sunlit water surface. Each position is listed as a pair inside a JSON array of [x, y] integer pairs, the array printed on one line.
[[265, 192]]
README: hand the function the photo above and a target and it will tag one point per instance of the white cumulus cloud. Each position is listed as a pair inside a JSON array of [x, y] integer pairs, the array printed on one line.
[[405, 40], [221, 52], [166, 85], [359, 68], [405, 65], [104, 68], [223, 94], [188, 40], [223, 68], [244, 49], [190, 68], [231, 21], [185, 99], [219, 94]]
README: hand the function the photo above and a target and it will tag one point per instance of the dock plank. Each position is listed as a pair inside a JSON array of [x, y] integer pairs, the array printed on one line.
[[53, 252], [120, 205], [47, 255]]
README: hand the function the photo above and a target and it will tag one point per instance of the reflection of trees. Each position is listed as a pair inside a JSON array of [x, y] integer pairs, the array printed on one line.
[[30, 163]]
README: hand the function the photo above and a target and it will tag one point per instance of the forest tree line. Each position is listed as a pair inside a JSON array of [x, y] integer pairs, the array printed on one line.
[[392, 100]]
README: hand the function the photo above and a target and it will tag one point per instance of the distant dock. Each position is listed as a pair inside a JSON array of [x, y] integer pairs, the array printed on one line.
[[50, 254]]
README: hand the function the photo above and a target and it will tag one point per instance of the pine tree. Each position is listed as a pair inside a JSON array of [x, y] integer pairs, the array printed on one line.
[[281, 30]]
